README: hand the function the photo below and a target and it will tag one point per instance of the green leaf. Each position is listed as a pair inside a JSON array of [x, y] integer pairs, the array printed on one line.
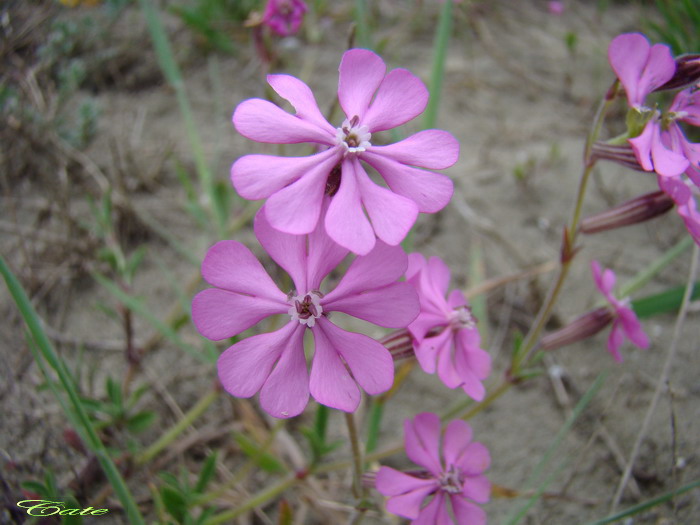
[[37, 487], [207, 473], [114, 392], [141, 421], [664, 302], [175, 502], [265, 461]]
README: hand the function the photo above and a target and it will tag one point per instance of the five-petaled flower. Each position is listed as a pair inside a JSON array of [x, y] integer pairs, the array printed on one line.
[[453, 477], [274, 363], [625, 322], [294, 187], [445, 335], [284, 17]]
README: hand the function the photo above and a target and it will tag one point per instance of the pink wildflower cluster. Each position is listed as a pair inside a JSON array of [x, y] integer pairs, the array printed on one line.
[[660, 144]]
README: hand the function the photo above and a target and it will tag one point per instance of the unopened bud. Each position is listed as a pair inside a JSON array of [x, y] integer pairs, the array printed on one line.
[[687, 72], [579, 329], [620, 153], [639, 209]]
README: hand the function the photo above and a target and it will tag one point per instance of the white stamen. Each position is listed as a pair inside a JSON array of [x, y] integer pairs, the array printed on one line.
[[354, 139]]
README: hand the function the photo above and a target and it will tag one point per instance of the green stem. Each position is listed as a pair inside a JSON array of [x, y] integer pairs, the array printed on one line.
[[259, 499], [376, 410], [356, 455], [442, 39], [179, 427], [568, 244]]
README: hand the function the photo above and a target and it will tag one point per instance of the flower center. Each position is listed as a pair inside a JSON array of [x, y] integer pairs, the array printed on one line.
[[352, 137], [451, 481], [461, 317], [306, 308]]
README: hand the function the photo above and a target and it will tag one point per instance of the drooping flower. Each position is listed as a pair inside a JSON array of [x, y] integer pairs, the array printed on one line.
[[284, 17], [274, 363], [642, 68], [446, 338], [294, 187], [625, 322], [454, 475]]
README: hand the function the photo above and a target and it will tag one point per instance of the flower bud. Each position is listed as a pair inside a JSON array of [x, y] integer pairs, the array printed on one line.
[[687, 72], [639, 209], [579, 329], [620, 153]]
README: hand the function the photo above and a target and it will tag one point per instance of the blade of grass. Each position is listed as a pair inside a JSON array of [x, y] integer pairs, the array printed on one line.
[[664, 302], [442, 39], [362, 25], [646, 505], [84, 426], [556, 443], [167, 62]]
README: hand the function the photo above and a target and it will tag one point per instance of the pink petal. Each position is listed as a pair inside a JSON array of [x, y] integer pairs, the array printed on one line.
[[262, 121], [467, 512], [244, 367], [391, 482], [640, 67], [438, 274], [286, 391], [475, 358], [370, 362], [331, 383], [382, 266], [628, 54], [642, 144], [392, 215], [458, 435], [392, 306], [296, 209], [477, 488], [424, 323], [456, 299], [633, 328], [219, 314], [474, 459], [422, 436], [434, 513], [430, 348], [289, 251], [430, 191], [324, 254], [416, 263], [666, 162], [346, 222], [232, 266], [604, 280], [446, 370], [361, 73], [401, 97], [432, 148], [408, 504], [300, 96], [674, 188], [259, 176], [615, 340]]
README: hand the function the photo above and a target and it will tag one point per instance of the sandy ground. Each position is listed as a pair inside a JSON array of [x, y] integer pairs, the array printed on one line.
[[519, 101]]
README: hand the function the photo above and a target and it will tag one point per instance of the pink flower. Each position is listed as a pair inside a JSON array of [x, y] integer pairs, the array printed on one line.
[[640, 66], [274, 363], [284, 17], [555, 8], [294, 186], [455, 478], [685, 108], [625, 322], [445, 335]]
